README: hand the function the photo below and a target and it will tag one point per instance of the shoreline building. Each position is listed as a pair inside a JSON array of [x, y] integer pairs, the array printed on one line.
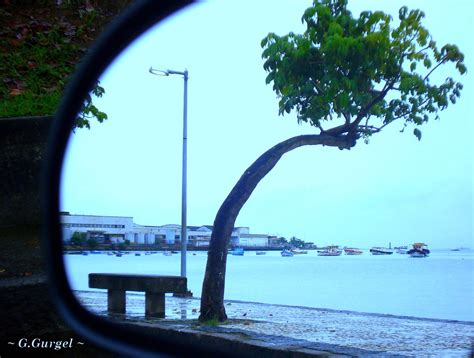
[[117, 229]]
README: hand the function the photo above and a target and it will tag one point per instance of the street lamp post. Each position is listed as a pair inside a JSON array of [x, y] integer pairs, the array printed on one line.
[[184, 234]]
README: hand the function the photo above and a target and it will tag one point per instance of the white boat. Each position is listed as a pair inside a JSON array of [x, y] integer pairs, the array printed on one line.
[[352, 251], [330, 251], [298, 251], [401, 249], [380, 251]]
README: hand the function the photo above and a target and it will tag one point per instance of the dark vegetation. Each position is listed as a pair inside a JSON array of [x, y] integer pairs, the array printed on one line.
[[41, 43]]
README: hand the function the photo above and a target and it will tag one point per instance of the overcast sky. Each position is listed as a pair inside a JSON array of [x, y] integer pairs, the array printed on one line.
[[395, 189]]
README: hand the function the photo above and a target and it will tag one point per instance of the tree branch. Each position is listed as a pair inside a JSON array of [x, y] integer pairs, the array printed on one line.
[[388, 86], [434, 68], [320, 127], [347, 118], [423, 49], [408, 112]]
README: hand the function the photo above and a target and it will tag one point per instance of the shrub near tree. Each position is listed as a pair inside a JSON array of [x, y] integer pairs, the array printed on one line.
[[349, 78], [295, 242], [92, 243], [78, 238], [41, 44]]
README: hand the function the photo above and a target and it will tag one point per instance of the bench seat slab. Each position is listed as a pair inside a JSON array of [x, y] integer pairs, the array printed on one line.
[[142, 283]]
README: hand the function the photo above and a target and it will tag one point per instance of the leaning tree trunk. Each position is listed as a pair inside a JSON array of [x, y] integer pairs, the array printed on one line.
[[212, 297]]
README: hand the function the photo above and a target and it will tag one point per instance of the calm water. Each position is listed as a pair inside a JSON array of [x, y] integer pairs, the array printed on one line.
[[440, 286]]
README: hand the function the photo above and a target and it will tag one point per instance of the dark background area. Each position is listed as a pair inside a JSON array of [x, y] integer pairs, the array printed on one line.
[[31, 86]]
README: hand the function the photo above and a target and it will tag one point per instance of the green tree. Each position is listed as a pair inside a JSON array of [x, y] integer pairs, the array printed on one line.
[[92, 243], [282, 241], [349, 78], [295, 242], [78, 238]]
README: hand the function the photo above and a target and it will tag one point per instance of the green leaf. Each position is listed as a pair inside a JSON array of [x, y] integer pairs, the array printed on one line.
[[338, 66], [417, 133]]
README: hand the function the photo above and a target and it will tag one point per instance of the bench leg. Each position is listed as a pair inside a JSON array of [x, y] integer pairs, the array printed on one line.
[[155, 305], [116, 301]]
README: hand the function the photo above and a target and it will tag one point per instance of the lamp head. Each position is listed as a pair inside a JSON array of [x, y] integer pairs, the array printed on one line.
[[158, 72]]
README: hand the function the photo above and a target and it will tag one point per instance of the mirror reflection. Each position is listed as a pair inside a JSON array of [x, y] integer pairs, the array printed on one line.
[[344, 218]]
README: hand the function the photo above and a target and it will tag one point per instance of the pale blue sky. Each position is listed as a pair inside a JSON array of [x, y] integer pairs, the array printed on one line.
[[395, 189]]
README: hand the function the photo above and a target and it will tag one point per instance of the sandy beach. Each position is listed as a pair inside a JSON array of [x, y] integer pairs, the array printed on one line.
[[389, 334]]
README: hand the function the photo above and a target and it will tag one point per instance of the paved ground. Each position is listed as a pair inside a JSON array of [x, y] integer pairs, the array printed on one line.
[[394, 335]]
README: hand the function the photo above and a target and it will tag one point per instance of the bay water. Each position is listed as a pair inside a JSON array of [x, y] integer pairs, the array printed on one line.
[[439, 286]]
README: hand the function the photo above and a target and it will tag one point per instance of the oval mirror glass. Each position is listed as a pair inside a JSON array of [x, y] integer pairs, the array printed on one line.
[[347, 217]]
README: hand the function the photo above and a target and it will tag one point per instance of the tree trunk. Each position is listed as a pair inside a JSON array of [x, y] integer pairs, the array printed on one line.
[[212, 297]]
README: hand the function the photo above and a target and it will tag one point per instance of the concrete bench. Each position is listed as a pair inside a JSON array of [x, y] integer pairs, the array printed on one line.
[[154, 287]]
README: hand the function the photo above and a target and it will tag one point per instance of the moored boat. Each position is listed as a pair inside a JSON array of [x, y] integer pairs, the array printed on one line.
[[238, 251], [401, 249], [287, 253], [260, 252], [418, 250], [298, 251], [330, 251], [352, 251], [380, 251], [460, 249]]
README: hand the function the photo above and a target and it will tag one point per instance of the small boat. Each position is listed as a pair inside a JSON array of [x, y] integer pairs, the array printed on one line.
[[167, 253], [237, 251], [138, 254], [84, 253], [287, 253], [175, 252], [260, 252], [460, 249], [380, 251], [118, 254], [418, 250], [352, 251], [401, 249], [330, 251], [298, 251]]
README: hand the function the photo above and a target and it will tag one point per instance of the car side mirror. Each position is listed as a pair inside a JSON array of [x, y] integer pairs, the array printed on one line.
[[122, 338]]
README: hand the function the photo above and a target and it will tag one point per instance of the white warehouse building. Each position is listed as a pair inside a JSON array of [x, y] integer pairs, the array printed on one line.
[[117, 229]]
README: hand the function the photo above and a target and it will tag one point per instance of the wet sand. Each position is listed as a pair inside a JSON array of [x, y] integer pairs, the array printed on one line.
[[394, 335]]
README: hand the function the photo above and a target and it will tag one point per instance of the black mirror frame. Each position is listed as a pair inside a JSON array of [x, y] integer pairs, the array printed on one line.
[[135, 20]]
